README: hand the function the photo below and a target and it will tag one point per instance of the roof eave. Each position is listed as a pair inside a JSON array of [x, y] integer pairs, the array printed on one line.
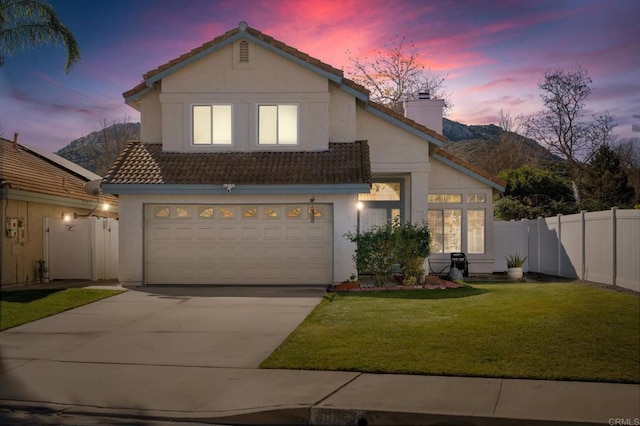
[[37, 197], [175, 189]]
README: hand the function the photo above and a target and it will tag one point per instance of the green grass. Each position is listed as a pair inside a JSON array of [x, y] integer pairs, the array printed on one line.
[[548, 331], [22, 306]]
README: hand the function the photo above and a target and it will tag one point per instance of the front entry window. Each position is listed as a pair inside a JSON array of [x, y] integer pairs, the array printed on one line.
[[382, 205], [382, 191]]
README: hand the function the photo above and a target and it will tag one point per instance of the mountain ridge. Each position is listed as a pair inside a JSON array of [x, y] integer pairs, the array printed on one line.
[[477, 144]]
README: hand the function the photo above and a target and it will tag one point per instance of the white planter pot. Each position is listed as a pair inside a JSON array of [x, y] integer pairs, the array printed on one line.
[[515, 273]]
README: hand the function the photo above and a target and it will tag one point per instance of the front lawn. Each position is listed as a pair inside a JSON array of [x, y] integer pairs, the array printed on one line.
[[22, 306], [557, 331]]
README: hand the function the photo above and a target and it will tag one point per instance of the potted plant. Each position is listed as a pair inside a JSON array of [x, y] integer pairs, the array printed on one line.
[[514, 266]]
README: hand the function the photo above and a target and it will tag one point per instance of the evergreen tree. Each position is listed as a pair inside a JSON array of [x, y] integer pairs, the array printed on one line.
[[531, 193], [605, 183]]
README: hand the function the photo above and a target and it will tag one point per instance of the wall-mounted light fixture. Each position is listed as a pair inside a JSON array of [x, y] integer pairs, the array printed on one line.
[[359, 207], [229, 187]]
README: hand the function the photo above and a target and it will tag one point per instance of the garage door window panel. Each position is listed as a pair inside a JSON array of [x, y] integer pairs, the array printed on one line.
[[249, 212], [228, 212], [162, 212], [271, 213], [206, 212]]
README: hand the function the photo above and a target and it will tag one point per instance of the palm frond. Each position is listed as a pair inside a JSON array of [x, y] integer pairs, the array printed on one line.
[[25, 24]]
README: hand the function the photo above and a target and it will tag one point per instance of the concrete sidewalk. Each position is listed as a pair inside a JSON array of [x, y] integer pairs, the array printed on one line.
[[252, 396], [158, 355]]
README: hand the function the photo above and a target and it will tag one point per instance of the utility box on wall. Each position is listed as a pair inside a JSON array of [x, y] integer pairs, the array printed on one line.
[[12, 227]]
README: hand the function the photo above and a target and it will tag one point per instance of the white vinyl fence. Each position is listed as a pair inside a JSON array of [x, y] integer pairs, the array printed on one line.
[[601, 247], [83, 248]]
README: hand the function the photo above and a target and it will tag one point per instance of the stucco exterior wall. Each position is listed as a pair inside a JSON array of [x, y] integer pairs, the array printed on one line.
[[342, 116], [151, 111], [131, 226], [268, 78]]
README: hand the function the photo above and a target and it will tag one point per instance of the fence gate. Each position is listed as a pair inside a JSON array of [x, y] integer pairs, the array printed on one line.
[[83, 248]]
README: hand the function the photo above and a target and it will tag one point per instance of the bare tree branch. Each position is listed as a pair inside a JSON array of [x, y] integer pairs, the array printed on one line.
[[561, 125], [395, 74]]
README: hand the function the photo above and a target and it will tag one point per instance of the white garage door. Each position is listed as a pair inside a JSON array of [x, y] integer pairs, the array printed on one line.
[[238, 244]]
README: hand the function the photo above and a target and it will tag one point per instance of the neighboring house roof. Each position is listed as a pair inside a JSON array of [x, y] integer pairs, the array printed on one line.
[[146, 164], [79, 170], [280, 48], [29, 171]]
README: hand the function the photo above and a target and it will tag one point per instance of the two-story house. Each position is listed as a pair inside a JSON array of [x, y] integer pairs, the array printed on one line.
[[256, 159]]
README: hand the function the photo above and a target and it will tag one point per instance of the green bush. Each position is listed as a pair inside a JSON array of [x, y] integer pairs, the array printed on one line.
[[374, 251], [412, 248], [382, 246]]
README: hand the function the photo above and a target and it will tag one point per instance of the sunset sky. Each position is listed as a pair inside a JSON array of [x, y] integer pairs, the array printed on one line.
[[493, 53]]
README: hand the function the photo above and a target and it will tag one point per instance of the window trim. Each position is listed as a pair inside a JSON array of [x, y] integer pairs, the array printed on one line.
[[212, 143], [277, 142]]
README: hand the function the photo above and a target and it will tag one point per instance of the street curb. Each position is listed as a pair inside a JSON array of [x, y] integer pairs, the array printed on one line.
[[302, 415]]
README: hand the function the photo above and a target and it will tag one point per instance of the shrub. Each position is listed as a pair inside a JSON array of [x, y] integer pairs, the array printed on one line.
[[374, 251], [412, 248], [382, 246]]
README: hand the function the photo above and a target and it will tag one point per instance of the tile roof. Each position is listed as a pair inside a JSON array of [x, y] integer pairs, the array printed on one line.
[[142, 163], [26, 170]]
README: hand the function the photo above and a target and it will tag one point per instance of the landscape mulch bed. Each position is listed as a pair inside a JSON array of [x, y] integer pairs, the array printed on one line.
[[433, 282]]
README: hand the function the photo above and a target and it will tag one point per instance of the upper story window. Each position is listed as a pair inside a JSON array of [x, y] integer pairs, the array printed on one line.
[[278, 124], [212, 124]]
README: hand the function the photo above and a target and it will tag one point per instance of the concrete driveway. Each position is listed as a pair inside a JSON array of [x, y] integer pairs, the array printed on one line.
[[168, 353], [204, 327]]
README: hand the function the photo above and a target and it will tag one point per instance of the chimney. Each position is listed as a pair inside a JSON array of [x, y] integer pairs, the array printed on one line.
[[15, 140], [425, 111]]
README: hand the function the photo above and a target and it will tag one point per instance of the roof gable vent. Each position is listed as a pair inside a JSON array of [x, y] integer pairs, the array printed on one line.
[[244, 52]]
